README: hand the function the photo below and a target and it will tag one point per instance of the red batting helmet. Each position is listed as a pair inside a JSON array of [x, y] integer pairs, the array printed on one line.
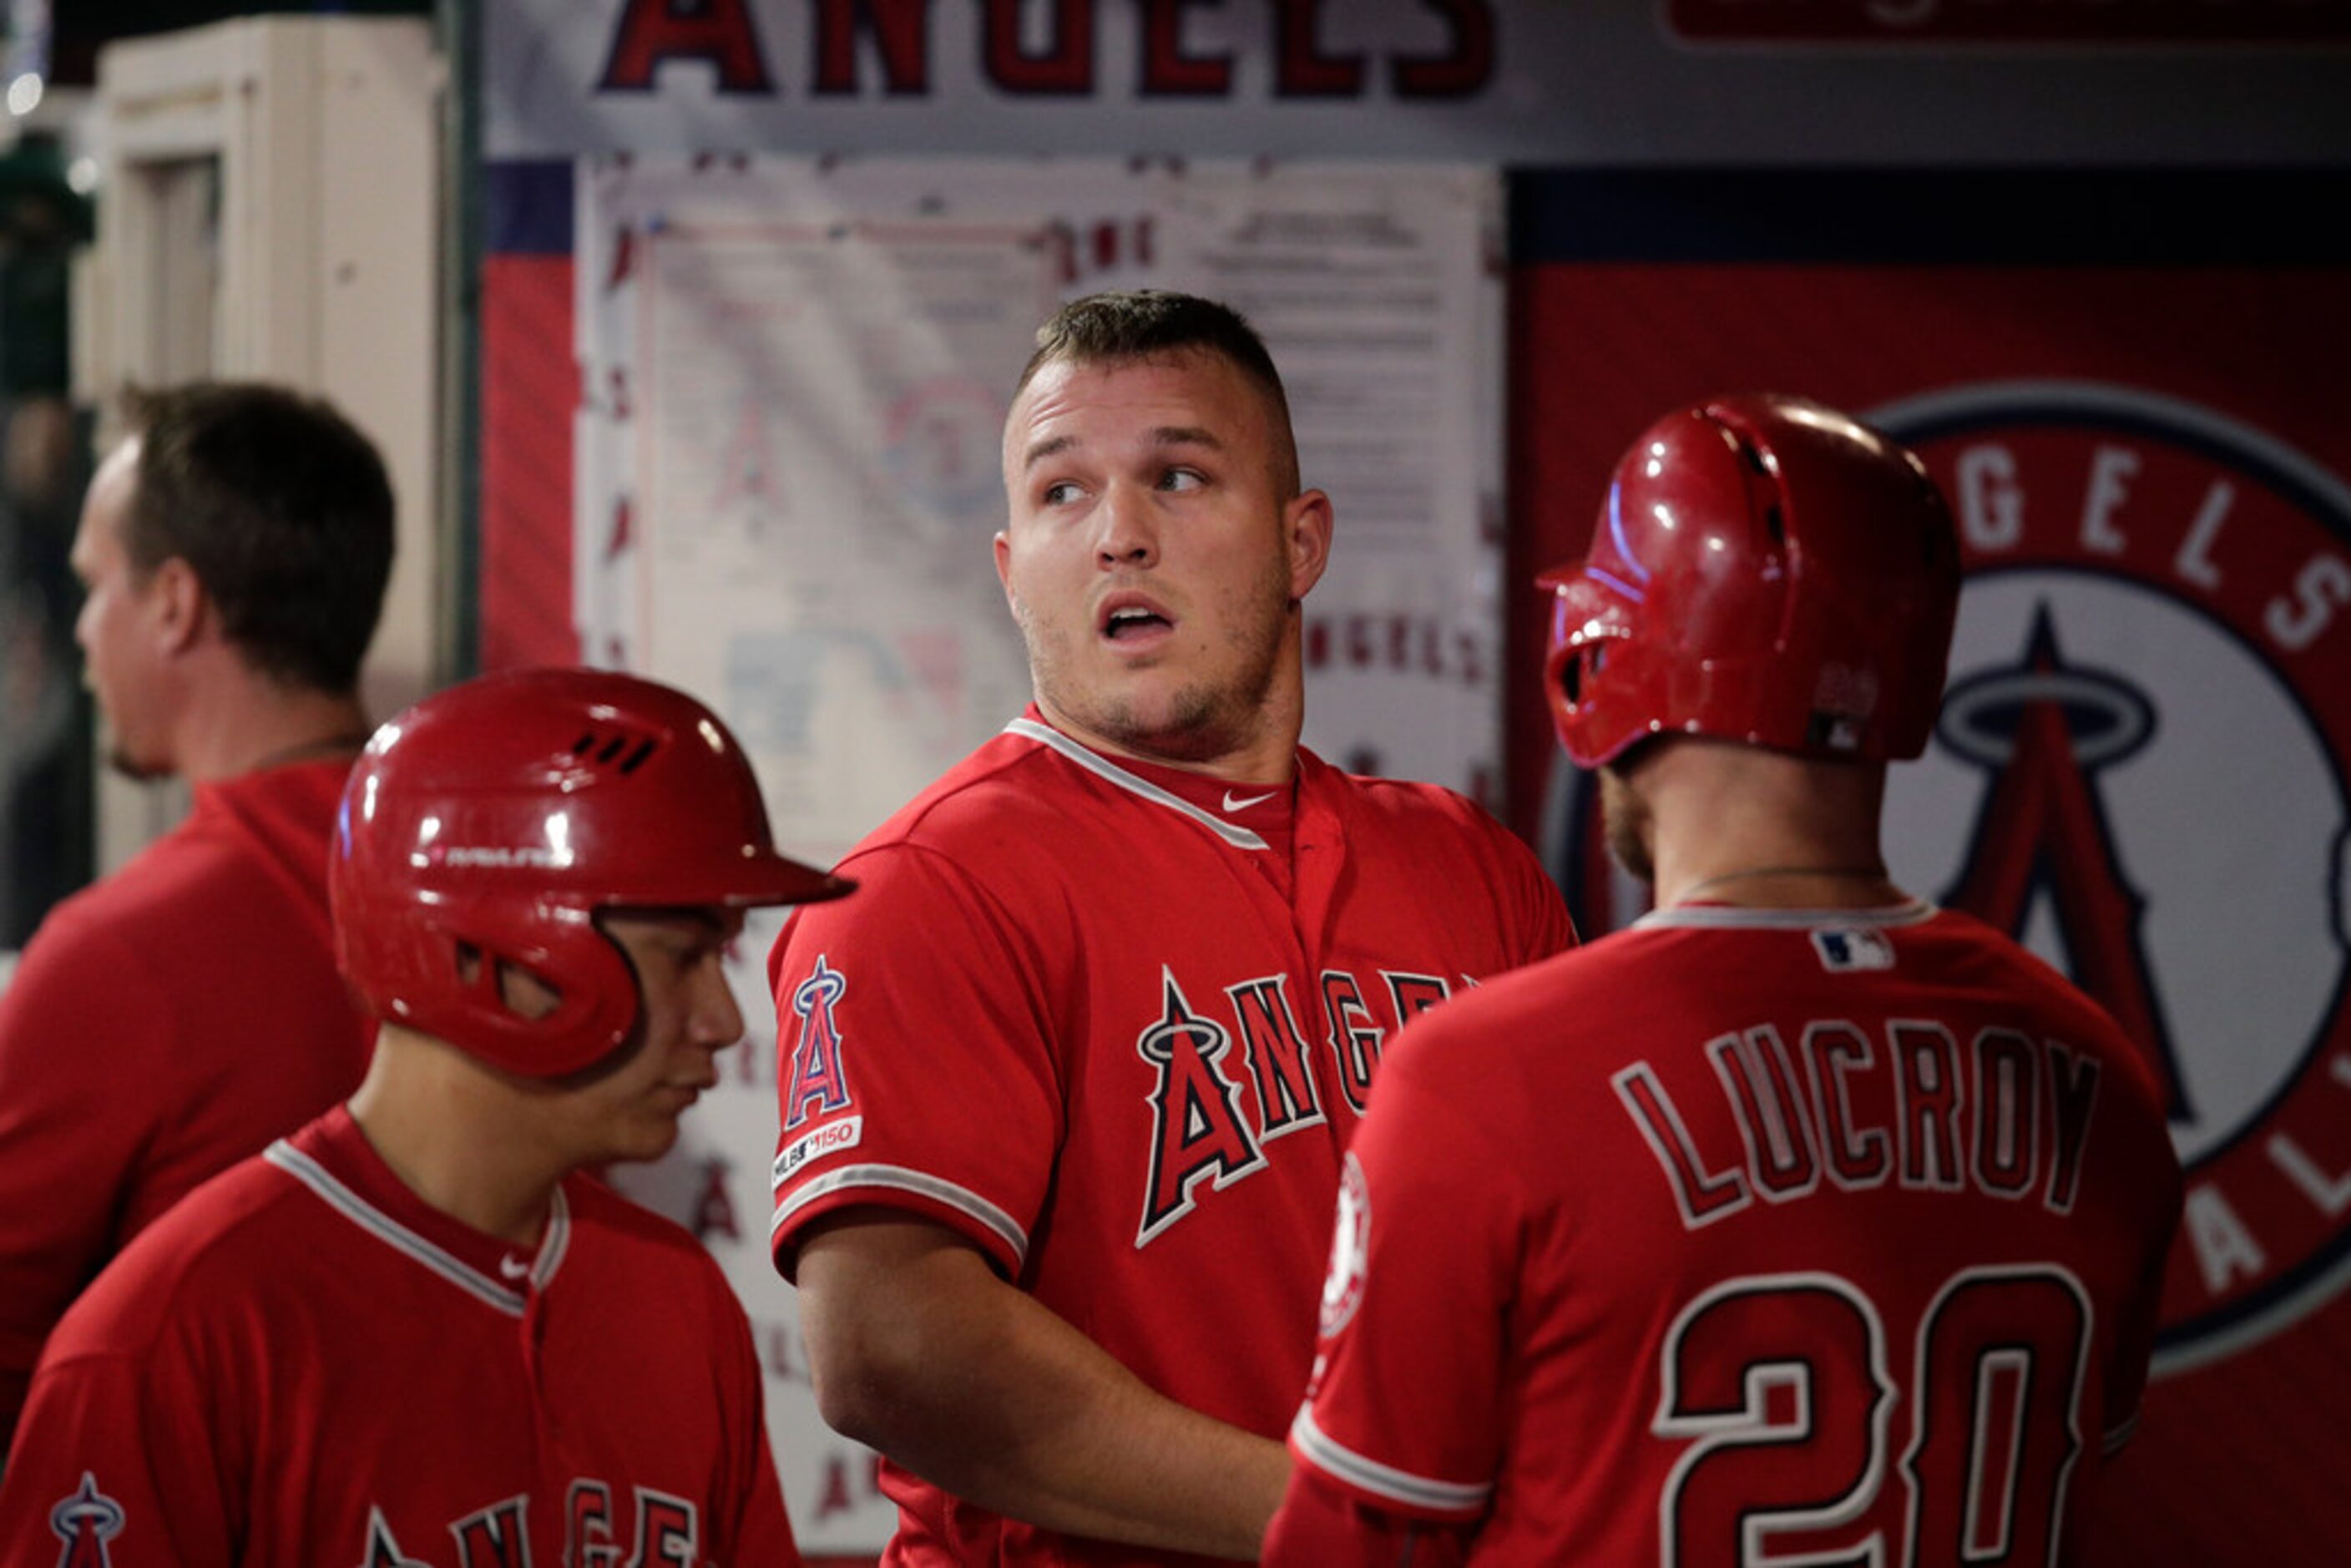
[[1765, 569], [486, 826]]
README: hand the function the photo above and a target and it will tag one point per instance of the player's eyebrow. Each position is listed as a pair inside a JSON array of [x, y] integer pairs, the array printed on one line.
[[1163, 435], [1043, 449], [1186, 436]]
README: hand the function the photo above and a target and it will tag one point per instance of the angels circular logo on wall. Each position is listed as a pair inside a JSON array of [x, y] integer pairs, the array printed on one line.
[[2139, 772]]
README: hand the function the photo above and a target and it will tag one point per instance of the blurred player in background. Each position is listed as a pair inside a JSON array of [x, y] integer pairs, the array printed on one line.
[[1065, 1087], [1803, 1221], [178, 1014], [412, 1333]]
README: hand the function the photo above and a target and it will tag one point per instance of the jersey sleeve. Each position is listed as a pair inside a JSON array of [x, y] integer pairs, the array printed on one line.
[[74, 1022], [115, 1459], [1321, 1524], [917, 1068], [1404, 1414]]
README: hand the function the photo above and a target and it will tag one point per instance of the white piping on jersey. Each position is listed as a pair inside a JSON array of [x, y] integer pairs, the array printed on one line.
[[1379, 1479], [1101, 767], [393, 1234], [1909, 912], [898, 1179], [2118, 1437]]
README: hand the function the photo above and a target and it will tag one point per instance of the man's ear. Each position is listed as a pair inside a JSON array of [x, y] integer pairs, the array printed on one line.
[[181, 607], [1306, 524], [1004, 571]]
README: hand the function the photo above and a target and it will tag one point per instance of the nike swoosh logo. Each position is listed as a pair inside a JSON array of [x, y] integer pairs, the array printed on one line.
[[1244, 803], [514, 1268]]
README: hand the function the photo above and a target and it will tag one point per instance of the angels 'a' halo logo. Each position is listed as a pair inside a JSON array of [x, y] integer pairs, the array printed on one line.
[[1351, 1241], [2139, 771]]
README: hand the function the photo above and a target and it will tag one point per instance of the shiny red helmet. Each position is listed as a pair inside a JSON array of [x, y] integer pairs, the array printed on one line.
[[486, 826], [1763, 569]]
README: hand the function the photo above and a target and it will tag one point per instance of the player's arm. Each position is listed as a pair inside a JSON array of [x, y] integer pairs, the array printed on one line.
[[921, 1349], [1401, 1435], [1320, 1523], [70, 1020], [117, 1463]]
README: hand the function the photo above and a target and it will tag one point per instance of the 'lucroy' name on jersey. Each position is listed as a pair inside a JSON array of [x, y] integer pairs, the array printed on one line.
[[2002, 1114]]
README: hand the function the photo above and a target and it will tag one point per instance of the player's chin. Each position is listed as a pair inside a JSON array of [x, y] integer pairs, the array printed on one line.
[[648, 1138]]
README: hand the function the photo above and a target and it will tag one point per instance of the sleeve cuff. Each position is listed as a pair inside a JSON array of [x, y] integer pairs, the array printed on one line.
[[1399, 1492], [996, 1232]]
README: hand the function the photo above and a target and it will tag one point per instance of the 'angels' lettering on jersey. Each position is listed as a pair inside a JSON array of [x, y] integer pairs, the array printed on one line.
[[1202, 1124], [2005, 1115], [664, 1529]]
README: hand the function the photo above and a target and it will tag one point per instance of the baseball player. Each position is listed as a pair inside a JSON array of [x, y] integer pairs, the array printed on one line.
[[414, 1333], [173, 1019], [1803, 1222], [1065, 1089]]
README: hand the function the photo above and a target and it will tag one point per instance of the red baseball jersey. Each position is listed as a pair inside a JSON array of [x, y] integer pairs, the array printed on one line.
[[1113, 1023], [1746, 1236], [305, 1364], [165, 1024]]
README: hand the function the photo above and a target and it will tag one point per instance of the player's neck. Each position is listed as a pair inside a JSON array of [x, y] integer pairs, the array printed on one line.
[[1268, 755], [244, 721], [448, 1132], [1740, 826]]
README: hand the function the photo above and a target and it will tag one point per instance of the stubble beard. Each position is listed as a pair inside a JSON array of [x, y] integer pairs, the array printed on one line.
[[1622, 816], [1199, 722]]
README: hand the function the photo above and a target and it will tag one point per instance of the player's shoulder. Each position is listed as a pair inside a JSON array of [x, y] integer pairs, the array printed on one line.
[[623, 1237], [193, 874], [1403, 799], [978, 805], [1536, 1019], [2014, 978], [203, 1259], [1410, 819]]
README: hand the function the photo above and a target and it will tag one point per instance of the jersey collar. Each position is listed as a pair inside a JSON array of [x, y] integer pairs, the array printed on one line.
[[1103, 767], [1741, 917], [332, 1158]]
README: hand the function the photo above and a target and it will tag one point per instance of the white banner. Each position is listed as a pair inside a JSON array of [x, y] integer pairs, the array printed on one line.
[[1522, 81]]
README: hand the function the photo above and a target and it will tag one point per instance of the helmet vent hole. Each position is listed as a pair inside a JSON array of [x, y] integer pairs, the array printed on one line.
[[620, 750], [1576, 674], [1775, 525]]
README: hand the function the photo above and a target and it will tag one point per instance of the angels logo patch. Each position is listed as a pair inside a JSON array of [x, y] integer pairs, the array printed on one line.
[[2140, 773], [86, 1521]]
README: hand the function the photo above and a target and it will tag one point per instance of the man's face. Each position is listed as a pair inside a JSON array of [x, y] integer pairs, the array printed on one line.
[[1152, 563], [626, 1106], [118, 630]]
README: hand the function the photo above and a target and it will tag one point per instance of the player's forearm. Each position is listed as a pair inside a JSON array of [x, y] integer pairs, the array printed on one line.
[[1045, 1440], [928, 1357]]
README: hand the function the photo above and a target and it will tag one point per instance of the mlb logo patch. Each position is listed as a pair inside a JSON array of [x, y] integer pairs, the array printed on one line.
[[1857, 949]]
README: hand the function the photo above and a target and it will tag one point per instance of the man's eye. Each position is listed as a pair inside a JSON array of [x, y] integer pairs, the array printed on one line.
[[1181, 479]]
